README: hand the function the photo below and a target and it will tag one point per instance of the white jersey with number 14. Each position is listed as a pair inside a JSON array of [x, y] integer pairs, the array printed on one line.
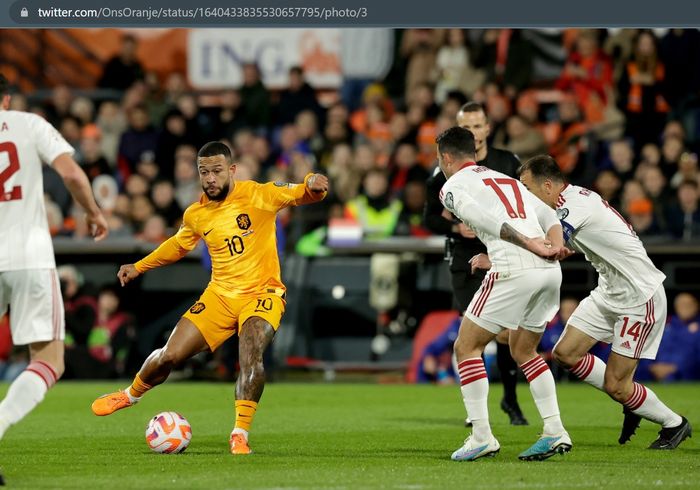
[[626, 275], [26, 140]]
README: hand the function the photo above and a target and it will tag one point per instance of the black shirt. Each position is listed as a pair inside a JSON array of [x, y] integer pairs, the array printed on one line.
[[464, 248]]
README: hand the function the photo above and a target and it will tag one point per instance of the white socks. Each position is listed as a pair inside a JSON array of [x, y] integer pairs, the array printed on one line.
[[544, 393], [646, 404], [590, 369], [475, 393], [642, 401], [25, 393]]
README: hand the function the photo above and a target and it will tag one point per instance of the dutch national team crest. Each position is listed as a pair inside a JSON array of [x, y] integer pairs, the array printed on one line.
[[449, 201], [243, 221], [197, 308]]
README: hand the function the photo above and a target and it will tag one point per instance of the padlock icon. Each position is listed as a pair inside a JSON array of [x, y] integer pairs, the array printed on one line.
[[24, 12]]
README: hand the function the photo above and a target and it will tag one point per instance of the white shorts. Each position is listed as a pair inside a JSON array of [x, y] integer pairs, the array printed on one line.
[[36, 306], [527, 298], [633, 332]]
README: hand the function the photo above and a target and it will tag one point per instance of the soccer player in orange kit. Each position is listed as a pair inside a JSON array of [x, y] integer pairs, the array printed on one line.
[[236, 220]]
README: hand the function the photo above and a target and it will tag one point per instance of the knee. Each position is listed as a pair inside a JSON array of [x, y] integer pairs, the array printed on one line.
[[564, 358]]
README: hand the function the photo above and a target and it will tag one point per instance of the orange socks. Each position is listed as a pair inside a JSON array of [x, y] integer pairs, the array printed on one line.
[[245, 411], [138, 387]]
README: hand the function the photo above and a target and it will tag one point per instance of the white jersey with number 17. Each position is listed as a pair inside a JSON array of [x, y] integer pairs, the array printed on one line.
[[26, 140], [484, 200], [626, 275]]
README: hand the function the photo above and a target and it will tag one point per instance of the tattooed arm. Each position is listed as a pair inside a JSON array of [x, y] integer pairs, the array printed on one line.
[[537, 246]]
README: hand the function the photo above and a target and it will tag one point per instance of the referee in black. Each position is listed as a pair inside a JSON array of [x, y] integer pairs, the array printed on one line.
[[462, 244]]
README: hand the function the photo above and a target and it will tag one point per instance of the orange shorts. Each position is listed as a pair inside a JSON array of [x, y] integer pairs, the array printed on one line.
[[219, 317]]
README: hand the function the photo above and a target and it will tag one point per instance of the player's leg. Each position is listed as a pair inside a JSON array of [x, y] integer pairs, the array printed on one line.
[[469, 347], [36, 315], [185, 341], [643, 402], [555, 439], [542, 305], [508, 369], [260, 319], [589, 324]]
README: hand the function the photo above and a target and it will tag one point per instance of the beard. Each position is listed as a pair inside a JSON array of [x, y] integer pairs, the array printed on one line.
[[219, 196]]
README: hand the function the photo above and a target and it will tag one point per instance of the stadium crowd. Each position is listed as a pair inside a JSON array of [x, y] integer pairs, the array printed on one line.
[[618, 109]]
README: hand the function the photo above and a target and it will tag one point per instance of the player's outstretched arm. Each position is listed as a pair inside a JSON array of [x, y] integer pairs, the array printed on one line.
[[168, 252], [79, 186]]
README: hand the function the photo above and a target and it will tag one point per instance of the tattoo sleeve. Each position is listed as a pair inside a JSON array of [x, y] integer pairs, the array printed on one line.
[[510, 234]]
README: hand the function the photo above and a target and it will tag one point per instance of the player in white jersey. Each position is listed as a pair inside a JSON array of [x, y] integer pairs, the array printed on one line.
[[519, 293], [28, 281], [627, 309]]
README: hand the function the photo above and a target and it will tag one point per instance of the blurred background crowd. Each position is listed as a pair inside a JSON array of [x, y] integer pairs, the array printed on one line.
[[618, 109]]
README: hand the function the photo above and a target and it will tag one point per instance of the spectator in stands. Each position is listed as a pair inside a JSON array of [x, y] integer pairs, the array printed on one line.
[[654, 183], [256, 98], [642, 91], [679, 353], [200, 127], [306, 123], [140, 210], [175, 133], [678, 50], [568, 134], [622, 158], [454, 69], [607, 184], [640, 213], [684, 216], [80, 306], [373, 209], [345, 177], [230, 117], [507, 55], [299, 96], [163, 198], [83, 109], [92, 160], [155, 230], [410, 222], [122, 70], [671, 150], [138, 138], [112, 122], [404, 168], [524, 140], [187, 185], [687, 169], [588, 75], [58, 107], [102, 348], [436, 361]]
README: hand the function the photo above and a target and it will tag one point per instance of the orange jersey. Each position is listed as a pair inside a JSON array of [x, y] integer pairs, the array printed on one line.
[[240, 235]]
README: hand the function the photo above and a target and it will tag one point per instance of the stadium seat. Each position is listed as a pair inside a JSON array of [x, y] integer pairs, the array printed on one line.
[[432, 325]]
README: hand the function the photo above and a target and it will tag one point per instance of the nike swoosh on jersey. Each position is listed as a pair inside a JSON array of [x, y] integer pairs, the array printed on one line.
[[207, 232]]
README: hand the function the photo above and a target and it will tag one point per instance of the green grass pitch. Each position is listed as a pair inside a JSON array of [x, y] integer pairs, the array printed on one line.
[[341, 436]]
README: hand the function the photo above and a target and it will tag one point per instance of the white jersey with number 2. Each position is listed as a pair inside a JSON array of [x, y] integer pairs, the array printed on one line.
[[26, 141], [626, 275], [484, 200]]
